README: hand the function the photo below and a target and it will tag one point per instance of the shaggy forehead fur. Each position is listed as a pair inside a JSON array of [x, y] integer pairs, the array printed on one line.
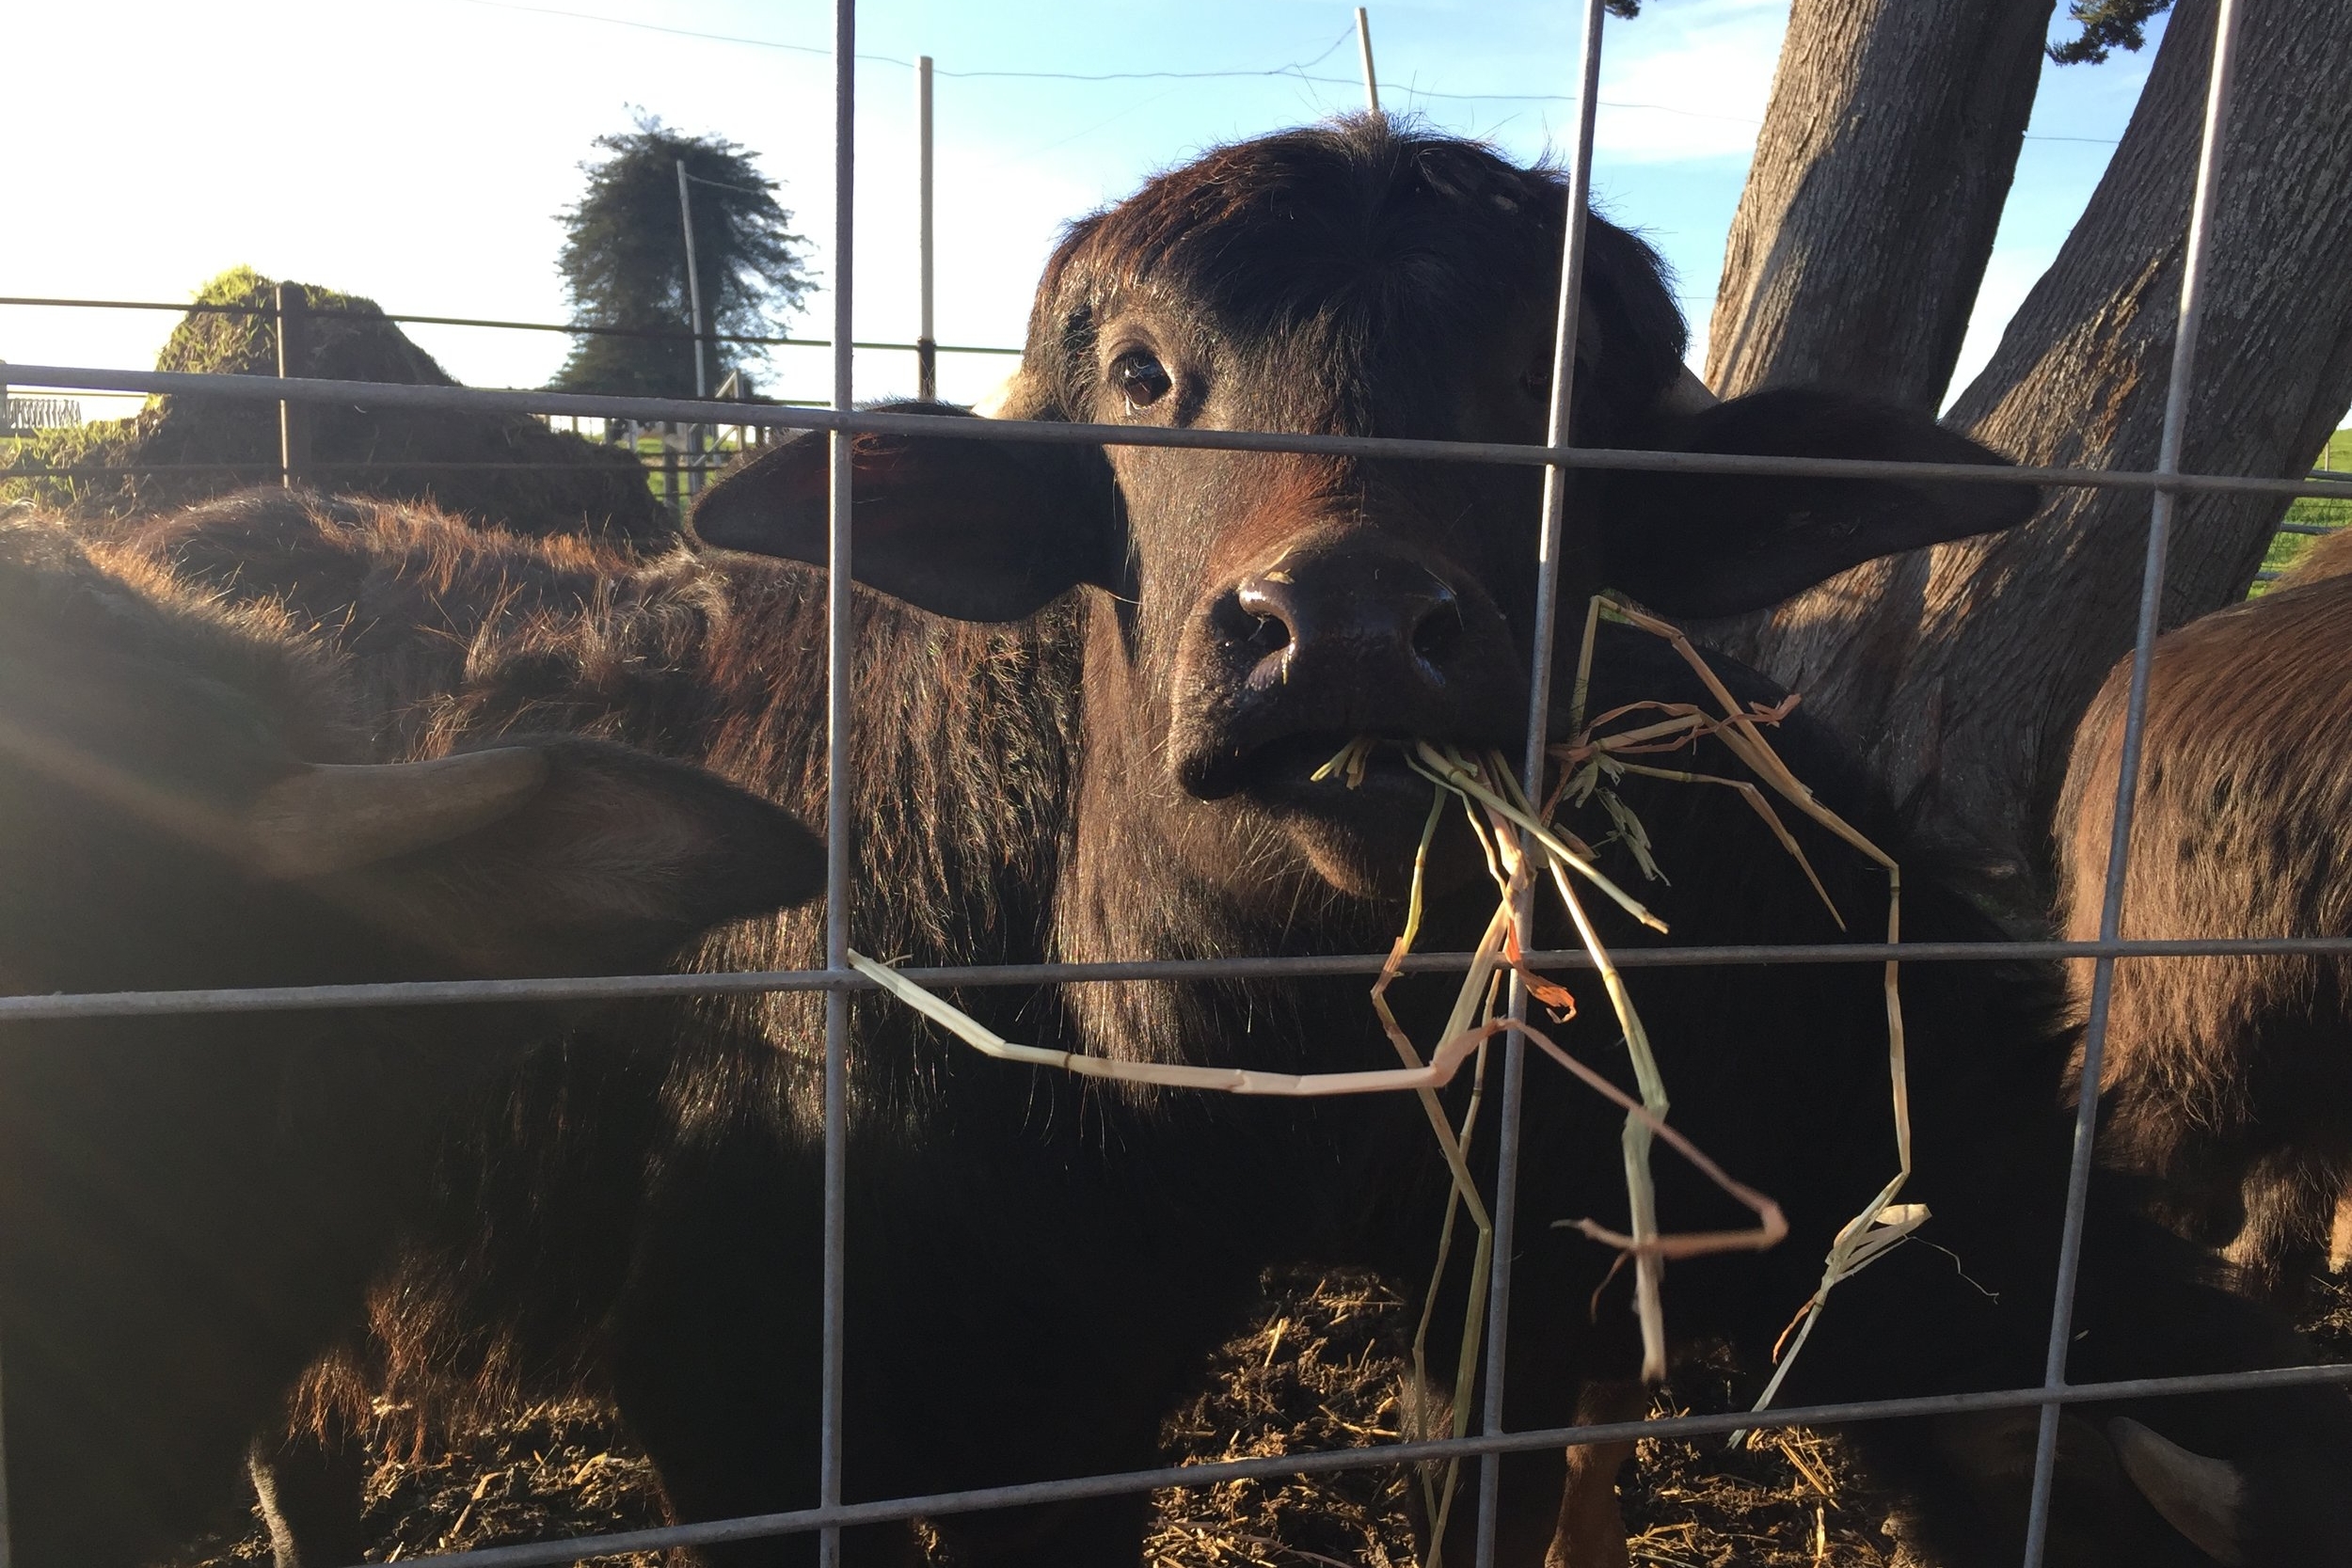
[[1378, 234]]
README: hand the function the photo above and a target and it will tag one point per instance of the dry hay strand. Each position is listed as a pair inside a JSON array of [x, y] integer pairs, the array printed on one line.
[[593, 489], [1321, 1369], [552, 1470], [1791, 1499], [1212, 1530], [1521, 843]]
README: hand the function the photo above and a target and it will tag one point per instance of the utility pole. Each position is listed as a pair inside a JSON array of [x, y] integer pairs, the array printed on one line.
[[695, 306], [694, 281], [1363, 47], [926, 348], [293, 419]]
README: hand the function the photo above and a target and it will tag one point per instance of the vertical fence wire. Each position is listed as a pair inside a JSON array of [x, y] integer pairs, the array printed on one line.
[[7, 1548], [1543, 636], [839, 848], [926, 344], [2195, 256]]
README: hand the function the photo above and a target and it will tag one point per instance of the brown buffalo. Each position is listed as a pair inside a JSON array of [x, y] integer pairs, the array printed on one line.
[[190, 1207], [2229, 1079], [1091, 683]]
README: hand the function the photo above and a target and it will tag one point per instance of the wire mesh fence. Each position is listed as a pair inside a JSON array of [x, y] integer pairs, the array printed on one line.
[[839, 977], [680, 458]]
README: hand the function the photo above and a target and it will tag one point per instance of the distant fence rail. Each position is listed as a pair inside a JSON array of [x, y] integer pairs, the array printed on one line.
[[688, 456]]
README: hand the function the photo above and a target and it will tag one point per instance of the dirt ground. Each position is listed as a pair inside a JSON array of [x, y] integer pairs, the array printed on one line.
[[1319, 1370]]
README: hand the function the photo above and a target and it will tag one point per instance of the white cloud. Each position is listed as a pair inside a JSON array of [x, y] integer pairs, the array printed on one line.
[[1689, 81]]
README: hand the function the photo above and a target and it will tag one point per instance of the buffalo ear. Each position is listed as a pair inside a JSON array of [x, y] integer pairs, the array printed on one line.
[[963, 526], [609, 860], [1709, 544]]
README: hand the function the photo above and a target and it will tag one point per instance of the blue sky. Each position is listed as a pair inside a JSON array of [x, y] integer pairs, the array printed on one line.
[[419, 152]]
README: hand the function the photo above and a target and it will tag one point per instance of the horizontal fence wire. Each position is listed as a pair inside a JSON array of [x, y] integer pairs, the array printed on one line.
[[591, 988], [711, 458], [1507, 453], [577, 329]]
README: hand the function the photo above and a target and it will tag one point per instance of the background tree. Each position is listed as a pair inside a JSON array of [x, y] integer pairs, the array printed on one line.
[[624, 260], [1878, 182], [1961, 671]]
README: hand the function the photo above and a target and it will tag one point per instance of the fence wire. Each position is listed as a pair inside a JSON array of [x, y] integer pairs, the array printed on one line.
[[838, 979]]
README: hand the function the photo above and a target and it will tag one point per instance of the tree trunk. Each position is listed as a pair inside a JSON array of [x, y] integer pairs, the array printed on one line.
[[1878, 184], [1962, 669]]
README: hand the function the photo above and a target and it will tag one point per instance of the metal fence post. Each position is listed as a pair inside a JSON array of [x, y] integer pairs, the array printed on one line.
[[2195, 256], [840, 853], [926, 346], [1363, 48], [293, 419]]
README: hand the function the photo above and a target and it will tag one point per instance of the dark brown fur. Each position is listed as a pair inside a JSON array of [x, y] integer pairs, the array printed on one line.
[[191, 1207], [2229, 1079]]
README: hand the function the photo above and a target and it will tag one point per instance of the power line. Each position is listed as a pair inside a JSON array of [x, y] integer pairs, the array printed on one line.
[[1296, 70], [723, 185], [1290, 69]]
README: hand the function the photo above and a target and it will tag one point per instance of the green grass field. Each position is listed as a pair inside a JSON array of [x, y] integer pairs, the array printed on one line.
[[2284, 547]]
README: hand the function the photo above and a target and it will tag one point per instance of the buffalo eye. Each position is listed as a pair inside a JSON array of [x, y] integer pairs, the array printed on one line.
[[1537, 381], [1139, 377]]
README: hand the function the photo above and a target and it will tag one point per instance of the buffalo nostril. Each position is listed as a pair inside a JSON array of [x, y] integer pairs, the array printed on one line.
[[1439, 633], [1258, 615]]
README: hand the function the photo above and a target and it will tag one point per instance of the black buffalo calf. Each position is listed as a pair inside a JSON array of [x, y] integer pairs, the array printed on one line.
[[190, 1207]]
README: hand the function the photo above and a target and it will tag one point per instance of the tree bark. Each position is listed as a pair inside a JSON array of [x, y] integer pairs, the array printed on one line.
[[1878, 184], [1961, 671]]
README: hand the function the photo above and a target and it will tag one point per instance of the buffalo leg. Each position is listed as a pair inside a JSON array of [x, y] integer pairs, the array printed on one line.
[[313, 1491], [1591, 1530], [1525, 1520]]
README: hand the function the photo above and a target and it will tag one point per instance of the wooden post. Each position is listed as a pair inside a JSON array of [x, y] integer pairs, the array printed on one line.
[[1363, 47], [293, 419], [926, 349]]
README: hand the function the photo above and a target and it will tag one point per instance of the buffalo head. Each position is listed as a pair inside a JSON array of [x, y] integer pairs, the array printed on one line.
[[1251, 611]]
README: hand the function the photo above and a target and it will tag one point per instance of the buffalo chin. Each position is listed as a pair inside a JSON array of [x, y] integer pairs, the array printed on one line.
[[1363, 845], [1360, 839]]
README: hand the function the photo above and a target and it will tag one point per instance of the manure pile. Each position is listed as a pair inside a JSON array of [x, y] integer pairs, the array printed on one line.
[[574, 486], [1318, 1369]]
